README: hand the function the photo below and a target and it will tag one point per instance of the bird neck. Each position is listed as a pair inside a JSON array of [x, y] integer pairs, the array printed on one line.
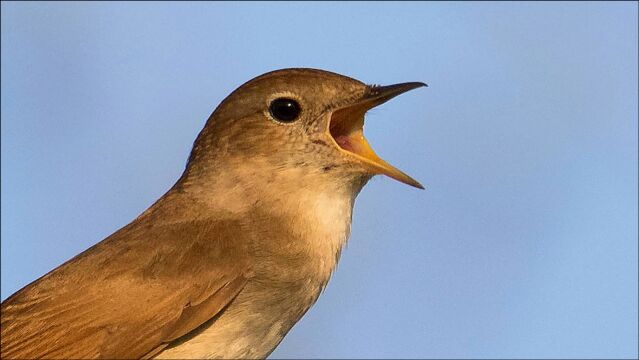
[[237, 185], [300, 214]]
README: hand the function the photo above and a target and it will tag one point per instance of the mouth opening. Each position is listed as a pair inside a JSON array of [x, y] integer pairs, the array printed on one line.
[[347, 129]]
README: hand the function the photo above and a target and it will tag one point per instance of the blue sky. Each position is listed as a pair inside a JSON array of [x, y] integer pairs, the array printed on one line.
[[524, 243]]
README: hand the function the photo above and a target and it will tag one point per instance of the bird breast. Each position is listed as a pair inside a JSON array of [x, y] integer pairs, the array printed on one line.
[[295, 257]]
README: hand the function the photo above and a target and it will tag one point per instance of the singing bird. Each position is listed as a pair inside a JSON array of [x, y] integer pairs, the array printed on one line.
[[234, 254]]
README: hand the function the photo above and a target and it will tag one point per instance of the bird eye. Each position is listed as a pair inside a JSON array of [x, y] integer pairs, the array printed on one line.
[[284, 109]]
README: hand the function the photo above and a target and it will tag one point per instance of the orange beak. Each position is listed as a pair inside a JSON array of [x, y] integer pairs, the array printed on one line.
[[346, 127]]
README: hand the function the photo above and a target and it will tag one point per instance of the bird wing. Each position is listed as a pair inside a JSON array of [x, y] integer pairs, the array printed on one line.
[[129, 295]]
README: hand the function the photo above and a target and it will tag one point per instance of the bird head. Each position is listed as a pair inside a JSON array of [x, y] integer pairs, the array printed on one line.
[[305, 123]]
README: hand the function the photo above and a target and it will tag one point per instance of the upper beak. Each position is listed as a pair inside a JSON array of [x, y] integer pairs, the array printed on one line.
[[377, 95], [346, 128]]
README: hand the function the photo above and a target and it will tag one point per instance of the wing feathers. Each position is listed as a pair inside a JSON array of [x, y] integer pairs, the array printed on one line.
[[194, 315], [130, 295]]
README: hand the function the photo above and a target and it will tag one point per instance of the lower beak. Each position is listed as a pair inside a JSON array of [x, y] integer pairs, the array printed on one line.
[[347, 129]]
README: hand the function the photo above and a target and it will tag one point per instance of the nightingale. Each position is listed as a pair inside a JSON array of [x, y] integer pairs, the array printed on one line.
[[234, 254]]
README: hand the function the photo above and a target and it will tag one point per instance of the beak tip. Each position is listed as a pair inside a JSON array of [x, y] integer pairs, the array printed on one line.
[[418, 185], [413, 85], [412, 182]]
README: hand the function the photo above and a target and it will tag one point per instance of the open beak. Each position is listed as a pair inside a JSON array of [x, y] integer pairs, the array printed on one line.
[[347, 129]]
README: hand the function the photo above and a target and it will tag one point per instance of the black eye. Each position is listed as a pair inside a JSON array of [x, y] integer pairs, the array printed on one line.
[[284, 110]]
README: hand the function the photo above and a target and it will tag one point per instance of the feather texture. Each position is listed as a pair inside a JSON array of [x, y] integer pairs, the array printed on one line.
[[126, 296]]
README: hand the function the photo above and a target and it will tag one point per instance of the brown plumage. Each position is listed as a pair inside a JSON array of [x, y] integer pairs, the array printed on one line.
[[231, 257]]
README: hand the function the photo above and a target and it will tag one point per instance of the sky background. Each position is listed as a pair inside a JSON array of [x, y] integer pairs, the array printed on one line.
[[524, 243]]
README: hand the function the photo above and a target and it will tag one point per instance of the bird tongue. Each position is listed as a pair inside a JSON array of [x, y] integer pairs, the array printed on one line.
[[355, 142]]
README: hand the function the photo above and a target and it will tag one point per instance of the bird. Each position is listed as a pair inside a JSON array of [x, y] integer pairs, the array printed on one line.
[[234, 254]]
